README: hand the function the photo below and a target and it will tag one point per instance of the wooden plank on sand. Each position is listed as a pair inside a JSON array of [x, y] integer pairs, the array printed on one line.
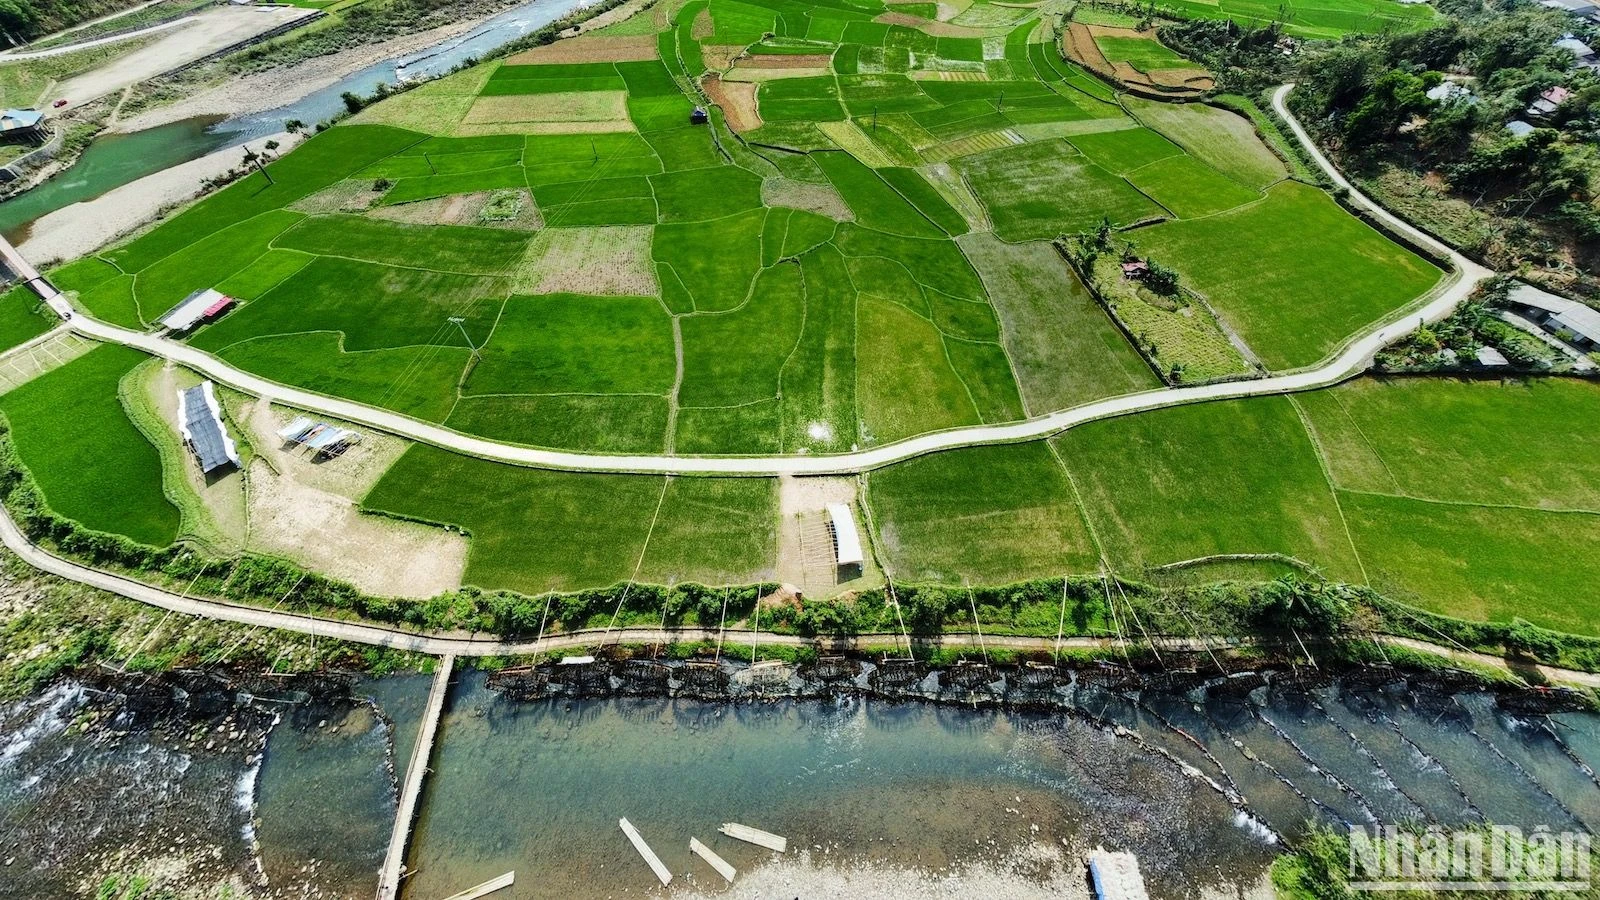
[[754, 836], [649, 855], [710, 856], [485, 889]]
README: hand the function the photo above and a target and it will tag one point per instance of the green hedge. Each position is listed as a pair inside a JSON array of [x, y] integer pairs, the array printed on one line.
[[1073, 607]]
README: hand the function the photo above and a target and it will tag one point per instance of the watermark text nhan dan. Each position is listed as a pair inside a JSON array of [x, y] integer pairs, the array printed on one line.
[[1497, 858]]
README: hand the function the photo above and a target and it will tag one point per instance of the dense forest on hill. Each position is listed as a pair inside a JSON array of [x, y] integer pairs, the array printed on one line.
[[1421, 119]]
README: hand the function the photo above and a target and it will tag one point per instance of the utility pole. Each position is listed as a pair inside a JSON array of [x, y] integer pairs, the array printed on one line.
[[874, 118], [252, 158], [429, 162], [461, 324]]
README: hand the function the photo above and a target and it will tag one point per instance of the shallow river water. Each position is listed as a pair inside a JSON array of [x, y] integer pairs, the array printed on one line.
[[876, 797]]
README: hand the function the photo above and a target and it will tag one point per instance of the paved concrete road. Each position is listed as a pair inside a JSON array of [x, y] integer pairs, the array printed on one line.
[[1353, 359], [19, 55]]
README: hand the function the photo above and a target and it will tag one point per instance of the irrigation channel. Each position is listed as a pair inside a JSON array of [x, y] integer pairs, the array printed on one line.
[[114, 160], [883, 776]]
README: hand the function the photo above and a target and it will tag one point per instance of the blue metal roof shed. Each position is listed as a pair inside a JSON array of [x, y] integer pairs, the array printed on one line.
[[200, 421], [13, 119]]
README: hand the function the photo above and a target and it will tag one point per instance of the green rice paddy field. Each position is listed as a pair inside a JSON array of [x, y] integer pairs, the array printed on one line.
[[868, 259], [1411, 485], [763, 301], [1326, 19]]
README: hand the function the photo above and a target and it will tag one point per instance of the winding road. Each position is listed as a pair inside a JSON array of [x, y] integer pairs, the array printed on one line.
[[465, 645], [1351, 360], [20, 55]]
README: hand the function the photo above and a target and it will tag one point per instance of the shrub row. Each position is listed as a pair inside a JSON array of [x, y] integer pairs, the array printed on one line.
[[1073, 606]]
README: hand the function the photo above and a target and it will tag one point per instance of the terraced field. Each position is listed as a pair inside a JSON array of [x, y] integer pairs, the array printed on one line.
[[551, 250]]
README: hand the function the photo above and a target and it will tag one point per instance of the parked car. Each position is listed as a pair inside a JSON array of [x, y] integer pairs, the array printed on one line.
[[59, 103]]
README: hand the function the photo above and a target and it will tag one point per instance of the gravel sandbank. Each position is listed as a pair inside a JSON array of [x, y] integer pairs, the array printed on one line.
[[286, 84], [83, 228]]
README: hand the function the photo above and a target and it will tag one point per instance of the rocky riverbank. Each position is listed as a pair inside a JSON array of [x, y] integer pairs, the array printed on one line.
[[124, 778]]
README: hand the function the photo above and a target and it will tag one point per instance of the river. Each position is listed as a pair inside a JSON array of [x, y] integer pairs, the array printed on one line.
[[113, 160], [877, 798]]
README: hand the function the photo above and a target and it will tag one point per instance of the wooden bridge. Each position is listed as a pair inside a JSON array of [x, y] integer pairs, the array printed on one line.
[[411, 788]]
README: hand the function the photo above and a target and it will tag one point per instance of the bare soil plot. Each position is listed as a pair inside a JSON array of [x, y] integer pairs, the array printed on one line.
[[806, 556], [526, 128], [737, 101], [609, 260], [822, 199], [754, 74], [899, 18], [951, 29], [788, 61], [721, 57], [590, 48], [327, 532], [631, 18], [350, 195], [456, 209], [1198, 79], [1078, 44], [307, 510], [1136, 59], [463, 209]]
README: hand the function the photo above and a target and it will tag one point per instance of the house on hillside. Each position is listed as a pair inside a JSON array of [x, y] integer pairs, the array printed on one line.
[[1135, 269], [1451, 92], [1549, 102], [1583, 55], [1519, 128], [22, 125], [1568, 320], [1580, 8]]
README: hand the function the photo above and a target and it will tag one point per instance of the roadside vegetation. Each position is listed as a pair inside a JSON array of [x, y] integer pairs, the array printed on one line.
[[54, 627], [24, 20], [1421, 119]]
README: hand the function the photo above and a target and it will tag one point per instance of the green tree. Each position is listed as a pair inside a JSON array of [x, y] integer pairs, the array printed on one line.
[[1514, 40], [1392, 100]]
